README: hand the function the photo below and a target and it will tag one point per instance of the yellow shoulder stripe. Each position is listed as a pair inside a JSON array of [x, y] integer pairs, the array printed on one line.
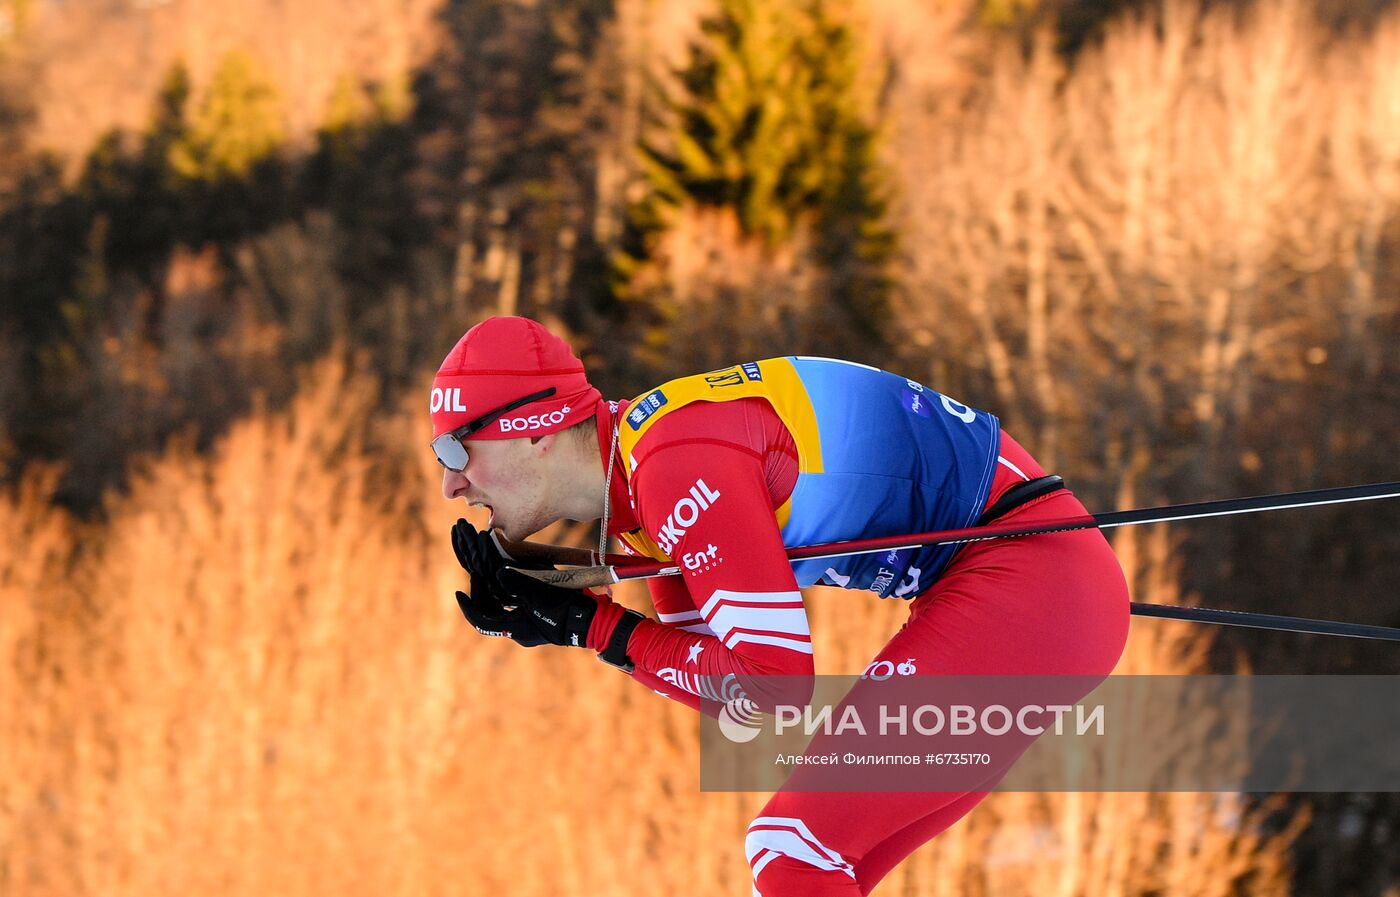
[[773, 379]]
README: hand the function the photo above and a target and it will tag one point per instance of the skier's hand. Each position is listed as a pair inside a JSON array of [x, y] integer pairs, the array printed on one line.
[[536, 613], [559, 617], [483, 606], [478, 554]]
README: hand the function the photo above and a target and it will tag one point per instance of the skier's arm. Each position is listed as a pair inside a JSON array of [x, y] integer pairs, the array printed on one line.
[[707, 503], [675, 609], [667, 690]]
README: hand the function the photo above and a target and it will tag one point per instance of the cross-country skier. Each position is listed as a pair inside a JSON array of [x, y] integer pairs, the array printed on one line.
[[721, 471]]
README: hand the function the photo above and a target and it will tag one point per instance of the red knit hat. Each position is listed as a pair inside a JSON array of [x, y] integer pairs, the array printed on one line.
[[501, 360]]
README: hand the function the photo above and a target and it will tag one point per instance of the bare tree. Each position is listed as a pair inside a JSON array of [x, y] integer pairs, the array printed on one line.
[[1364, 150]]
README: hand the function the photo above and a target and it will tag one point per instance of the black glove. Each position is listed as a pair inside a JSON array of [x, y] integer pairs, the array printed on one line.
[[530, 612], [564, 615]]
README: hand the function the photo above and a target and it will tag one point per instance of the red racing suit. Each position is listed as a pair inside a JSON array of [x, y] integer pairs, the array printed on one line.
[[1055, 605]]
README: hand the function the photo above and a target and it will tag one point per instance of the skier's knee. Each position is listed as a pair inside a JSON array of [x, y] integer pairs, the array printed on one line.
[[787, 859]]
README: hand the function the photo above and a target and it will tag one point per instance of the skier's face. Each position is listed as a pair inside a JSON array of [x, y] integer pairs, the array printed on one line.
[[506, 476]]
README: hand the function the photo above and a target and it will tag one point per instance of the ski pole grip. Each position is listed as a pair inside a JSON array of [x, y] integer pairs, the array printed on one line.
[[575, 577]]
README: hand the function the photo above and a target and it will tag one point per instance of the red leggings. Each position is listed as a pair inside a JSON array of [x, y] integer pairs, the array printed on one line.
[[1048, 604]]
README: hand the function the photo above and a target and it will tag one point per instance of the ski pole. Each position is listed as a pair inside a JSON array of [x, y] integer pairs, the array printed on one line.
[[617, 569], [1265, 621]]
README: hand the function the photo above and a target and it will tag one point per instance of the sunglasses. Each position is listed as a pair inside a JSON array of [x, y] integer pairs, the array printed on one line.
[[448, 447]]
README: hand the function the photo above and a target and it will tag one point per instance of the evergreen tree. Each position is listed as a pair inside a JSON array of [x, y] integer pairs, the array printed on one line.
[[238, 124], [133, 186], [767, 119], [169, 119]]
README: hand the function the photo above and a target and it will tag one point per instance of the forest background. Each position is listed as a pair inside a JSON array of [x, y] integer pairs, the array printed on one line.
[[1160, 239]]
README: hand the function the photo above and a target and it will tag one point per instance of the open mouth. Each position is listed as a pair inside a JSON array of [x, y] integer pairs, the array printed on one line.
[[491, 521]]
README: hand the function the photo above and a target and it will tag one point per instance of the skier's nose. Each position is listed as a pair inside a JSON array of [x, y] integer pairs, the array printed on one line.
[[454, 484]]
